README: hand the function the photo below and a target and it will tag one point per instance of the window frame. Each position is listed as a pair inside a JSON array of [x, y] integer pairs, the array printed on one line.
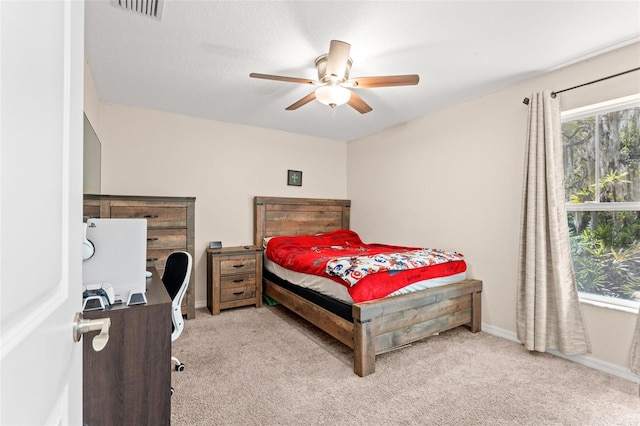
[[598, 206]]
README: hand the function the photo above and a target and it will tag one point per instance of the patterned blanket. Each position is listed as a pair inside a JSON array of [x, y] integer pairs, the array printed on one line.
[[354, 268]]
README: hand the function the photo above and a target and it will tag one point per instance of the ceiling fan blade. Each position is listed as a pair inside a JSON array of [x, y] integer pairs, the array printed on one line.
[[358, 104], [337, 58], [310, 97], [282, 78], [384, 81]]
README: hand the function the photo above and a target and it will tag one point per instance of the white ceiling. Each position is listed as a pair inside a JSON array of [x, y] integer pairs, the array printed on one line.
[[197, 59]]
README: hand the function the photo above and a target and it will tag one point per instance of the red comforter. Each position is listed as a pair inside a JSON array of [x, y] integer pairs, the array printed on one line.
[[310, 253]]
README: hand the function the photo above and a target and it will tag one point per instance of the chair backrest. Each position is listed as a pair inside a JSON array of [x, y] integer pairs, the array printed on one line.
[[177, 271]]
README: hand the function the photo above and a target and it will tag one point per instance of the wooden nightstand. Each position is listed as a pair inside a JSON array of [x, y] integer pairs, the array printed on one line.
[[234, 277]]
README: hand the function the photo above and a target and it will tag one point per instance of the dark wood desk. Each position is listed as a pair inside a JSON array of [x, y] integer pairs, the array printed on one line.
[[129, 381]]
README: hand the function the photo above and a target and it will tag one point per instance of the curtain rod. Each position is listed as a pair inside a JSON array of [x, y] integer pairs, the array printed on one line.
[[553, 94]]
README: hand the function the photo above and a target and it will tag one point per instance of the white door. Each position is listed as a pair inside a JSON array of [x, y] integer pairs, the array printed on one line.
[[41, 85]]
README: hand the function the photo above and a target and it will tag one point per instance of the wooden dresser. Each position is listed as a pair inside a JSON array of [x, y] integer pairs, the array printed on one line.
[[234, 277], [170, 227]]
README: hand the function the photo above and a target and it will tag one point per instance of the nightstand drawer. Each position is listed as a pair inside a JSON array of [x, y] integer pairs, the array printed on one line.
[[231, 293], [238, 280], [238, 265]]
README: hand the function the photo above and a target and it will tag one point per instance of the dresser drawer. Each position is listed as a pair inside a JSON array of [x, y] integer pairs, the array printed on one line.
[[167, 239], [157, 216], [158, 258], [238, 265], [91, 209]]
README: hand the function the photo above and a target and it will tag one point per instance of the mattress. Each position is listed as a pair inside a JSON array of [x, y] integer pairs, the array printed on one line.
[[340, 292], [338, 307]]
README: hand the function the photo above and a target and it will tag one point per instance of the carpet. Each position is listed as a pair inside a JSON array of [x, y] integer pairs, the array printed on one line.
[[266, 366]]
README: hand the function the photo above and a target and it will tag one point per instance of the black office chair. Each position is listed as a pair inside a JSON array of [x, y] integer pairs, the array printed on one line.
[[177, 271]]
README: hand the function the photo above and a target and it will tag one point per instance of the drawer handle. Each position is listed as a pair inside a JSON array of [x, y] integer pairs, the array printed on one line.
[[152, 239], [152, 259], [238, 281], [239, 266], [238, 293], [150, 216]]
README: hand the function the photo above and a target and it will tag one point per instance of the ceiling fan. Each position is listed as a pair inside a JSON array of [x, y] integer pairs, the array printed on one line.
[[333, 79]]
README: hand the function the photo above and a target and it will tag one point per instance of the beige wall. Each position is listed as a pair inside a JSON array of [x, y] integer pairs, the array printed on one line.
[[91, 99], [223, 165], [453, 179]]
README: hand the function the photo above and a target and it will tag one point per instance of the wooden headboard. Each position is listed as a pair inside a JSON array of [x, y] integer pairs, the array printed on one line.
[[298, 216]]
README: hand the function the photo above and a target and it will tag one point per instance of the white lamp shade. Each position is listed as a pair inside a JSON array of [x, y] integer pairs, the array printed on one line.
[[333, 95]]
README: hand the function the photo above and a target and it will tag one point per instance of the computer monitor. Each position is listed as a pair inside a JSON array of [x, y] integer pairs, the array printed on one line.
[[119, 258]]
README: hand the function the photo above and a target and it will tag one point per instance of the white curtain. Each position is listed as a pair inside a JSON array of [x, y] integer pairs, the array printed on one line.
[[548, 310], [635, 348]]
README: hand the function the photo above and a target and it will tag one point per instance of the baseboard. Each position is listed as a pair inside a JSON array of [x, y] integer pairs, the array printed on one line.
[[588, 361]]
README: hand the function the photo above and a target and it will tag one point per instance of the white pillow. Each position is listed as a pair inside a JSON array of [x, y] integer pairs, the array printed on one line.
[[265, 241]]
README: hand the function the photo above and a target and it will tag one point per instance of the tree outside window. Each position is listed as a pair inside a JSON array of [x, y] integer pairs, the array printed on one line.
[[601, 147]]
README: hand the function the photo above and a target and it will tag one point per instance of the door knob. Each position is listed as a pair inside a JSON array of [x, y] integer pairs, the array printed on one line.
[[81, 326]]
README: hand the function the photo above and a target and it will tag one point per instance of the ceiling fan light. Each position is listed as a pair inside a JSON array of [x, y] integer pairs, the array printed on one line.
[[333, 95]]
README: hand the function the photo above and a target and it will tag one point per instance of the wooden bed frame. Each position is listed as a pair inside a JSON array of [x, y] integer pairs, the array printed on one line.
[[380, 325]]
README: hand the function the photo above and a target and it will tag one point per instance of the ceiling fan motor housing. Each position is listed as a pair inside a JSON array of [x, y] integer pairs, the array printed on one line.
[[321, 65]]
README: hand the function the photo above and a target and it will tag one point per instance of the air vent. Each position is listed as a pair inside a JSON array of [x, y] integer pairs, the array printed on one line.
[[150, 8]]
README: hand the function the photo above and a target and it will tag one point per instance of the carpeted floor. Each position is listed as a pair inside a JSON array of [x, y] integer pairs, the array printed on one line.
[[266, 366]]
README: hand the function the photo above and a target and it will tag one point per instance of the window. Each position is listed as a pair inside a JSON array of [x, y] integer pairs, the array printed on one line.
[[601, 147]]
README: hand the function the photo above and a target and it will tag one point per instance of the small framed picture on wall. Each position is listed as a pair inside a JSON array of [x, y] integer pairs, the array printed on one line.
[[294, 177]]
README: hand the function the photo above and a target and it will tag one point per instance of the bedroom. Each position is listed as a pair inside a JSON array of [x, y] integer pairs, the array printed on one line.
[[224, 165], [218, 163]]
